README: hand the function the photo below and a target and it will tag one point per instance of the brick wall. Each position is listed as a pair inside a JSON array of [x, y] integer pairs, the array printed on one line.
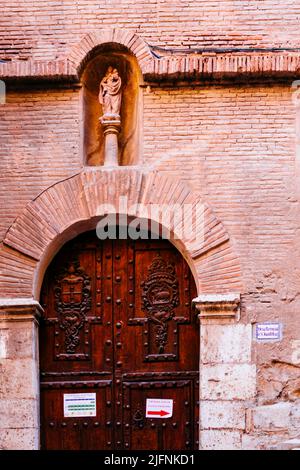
[[237, 146], [40, 144], [48, 28], [234, 144]]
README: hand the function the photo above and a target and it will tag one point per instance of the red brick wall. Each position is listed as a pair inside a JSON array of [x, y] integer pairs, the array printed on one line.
[[40, 144], [234, 144], [47, 28], [237, 146]]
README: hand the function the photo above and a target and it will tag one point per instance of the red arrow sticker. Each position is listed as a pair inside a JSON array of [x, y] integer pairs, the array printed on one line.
[[158, 413], [159, 408]]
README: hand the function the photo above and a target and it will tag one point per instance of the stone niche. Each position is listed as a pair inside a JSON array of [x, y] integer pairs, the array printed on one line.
[[94, 70]]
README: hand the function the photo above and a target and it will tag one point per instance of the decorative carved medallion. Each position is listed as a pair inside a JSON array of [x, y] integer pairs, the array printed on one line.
[[72, 293], [160, 297]]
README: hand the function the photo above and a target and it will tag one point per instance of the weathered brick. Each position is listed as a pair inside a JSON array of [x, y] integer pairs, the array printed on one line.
[[250, 24]]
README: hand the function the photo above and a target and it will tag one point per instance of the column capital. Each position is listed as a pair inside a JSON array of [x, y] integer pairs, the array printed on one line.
[[22, 309], [218, 307], [113, 120]]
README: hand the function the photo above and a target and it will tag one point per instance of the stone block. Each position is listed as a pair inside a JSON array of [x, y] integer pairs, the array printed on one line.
[[225, 343], [18, 413], [295, 415], [18, 379], [19, 439], [228, 382], [222, 414], [249, 442], [220, 440], [272, 417], [290, 444], [21, 340]]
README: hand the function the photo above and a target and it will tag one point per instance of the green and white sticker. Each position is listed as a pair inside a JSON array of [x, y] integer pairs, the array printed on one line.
[[77, 405]]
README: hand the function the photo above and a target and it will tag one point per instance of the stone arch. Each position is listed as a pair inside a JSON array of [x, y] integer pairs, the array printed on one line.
[[81, 52], [74, 205]]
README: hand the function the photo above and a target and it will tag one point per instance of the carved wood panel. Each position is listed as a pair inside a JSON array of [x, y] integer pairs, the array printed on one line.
[[72, 292], [118, 322], [162, 290]]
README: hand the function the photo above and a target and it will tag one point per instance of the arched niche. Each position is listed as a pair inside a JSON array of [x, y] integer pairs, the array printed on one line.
[[92, 72]]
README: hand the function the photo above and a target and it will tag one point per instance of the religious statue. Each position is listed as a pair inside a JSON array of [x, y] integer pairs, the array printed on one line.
[[110, 94]]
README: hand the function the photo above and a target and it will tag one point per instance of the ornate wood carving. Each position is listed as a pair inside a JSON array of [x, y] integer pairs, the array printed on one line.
[[160, 297], [72, 293]]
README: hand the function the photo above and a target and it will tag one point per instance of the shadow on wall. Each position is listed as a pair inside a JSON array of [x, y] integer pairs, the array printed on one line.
[[95, 68]]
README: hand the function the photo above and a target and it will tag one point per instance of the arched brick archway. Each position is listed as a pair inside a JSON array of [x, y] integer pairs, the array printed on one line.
[[81, 53], [76, 204]]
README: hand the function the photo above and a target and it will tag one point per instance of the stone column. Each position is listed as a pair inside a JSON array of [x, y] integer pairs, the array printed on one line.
[[111, 129], [19, 374], [227, 375]]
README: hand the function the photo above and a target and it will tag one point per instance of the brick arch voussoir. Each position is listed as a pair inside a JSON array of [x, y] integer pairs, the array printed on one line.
[[75, 204], [134, 43]]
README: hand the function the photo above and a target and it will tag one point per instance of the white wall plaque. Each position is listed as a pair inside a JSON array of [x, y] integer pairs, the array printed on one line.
[[159, 408], [78, 405], [268, 331]]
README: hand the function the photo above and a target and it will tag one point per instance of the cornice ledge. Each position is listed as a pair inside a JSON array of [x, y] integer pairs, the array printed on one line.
[[19, 309], [218, 306], [222, 65], [59, 69], [174, 67]]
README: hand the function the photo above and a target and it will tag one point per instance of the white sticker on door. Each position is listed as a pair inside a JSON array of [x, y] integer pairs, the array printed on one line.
[[159, 408], [77, 405]]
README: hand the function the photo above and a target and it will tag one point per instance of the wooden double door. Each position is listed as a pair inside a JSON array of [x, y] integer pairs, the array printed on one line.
[[118, 330]]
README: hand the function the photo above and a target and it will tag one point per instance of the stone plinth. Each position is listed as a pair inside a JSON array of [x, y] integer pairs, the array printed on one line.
[[19, 384]]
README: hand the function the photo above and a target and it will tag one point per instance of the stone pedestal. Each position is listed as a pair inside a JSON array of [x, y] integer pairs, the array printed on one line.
[[111, 128], [227, 374], [19, 374]]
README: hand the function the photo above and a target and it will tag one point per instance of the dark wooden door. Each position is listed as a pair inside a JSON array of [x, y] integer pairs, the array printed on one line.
[[118, 323]]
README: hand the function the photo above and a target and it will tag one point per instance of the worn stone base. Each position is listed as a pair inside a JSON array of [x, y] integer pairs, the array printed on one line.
[[19, 378]]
